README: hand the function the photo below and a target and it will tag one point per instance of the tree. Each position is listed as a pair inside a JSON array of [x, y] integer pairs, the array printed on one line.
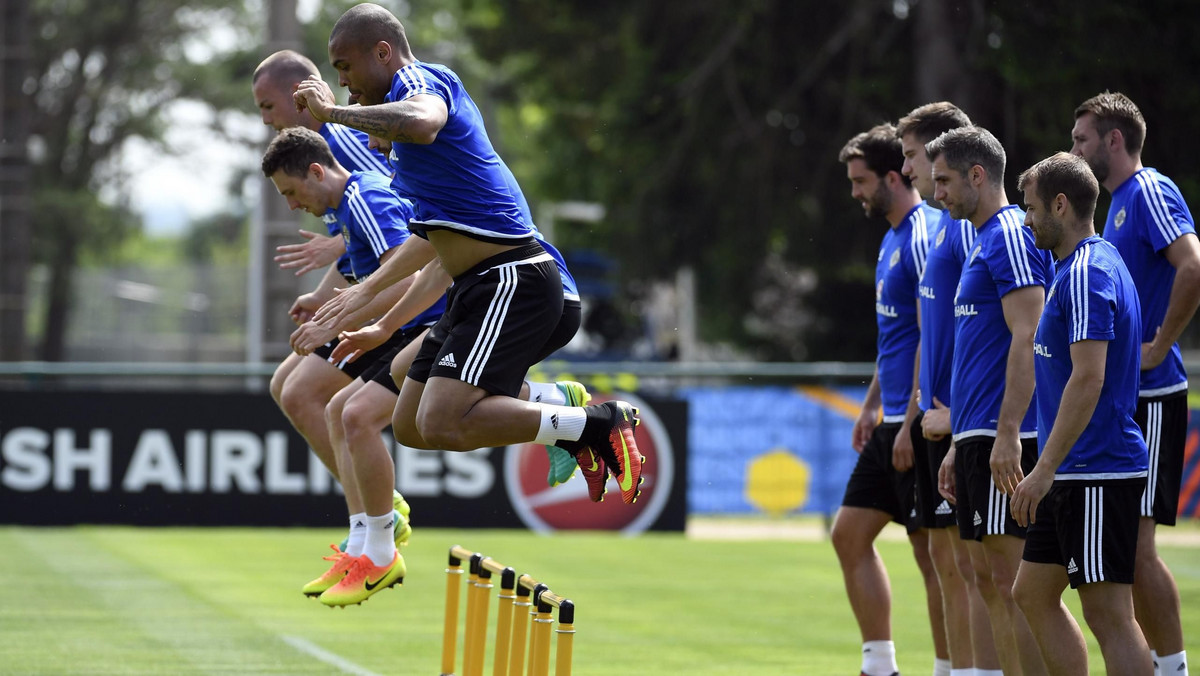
[[104, 73]]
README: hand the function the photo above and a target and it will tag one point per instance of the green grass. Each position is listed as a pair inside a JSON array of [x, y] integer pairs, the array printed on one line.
[[116, 600]]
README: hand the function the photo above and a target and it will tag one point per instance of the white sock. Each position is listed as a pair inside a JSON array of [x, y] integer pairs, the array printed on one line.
[[941, 667], [560, 422], [1154, 660], [879, 658], [381, 545], [1172, 665], [968, 671], [546, 393], [989, 672], [358, 534]]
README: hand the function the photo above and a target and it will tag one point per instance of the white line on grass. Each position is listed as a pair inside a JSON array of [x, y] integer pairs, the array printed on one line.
[[327, 657]]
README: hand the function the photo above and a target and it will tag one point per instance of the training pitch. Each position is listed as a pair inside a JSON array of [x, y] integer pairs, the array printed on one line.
[[116, 600]]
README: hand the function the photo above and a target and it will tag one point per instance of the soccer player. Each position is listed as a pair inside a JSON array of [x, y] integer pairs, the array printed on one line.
[[507, 300], [881, 487], [996, 310], [1080, 502], [1150, 225], [372, 220], [968, 631]]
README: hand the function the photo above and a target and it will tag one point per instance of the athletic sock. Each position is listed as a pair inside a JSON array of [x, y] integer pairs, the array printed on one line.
[[546, 393], [1172, 665], [563, 423], [1154, 661], [989, 672], [381, 545], [879, 658], [941, 667], [358, 534], [966, 671]]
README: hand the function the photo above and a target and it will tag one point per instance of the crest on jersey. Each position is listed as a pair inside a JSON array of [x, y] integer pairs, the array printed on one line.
[[941, 237], [895, 258], [1119, 219], [879, 290]]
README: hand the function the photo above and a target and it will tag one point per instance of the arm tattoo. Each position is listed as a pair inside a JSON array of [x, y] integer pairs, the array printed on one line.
[[387, 121]]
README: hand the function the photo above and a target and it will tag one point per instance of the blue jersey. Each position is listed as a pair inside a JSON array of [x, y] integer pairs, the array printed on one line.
[[952, 242], [1093, 298], [897, 274], [1004, 259], [1148, 214], [459, 183], [349, 147], [372, 220]]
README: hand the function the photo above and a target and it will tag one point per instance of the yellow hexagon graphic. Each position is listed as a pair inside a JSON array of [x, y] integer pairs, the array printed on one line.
[[777, 482]]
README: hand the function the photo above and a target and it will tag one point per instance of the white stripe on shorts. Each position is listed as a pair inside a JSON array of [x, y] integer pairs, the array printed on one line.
[[1093, 534], [1154, 410], [997, 510], [493, 322]]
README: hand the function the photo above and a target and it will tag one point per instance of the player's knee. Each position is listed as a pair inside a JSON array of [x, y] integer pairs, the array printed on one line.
[[292, 401], [277, 381], [435, 429], [848, 542], [358, 419]]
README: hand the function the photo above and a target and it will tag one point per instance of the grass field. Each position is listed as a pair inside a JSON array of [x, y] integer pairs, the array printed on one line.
[[116, 600]]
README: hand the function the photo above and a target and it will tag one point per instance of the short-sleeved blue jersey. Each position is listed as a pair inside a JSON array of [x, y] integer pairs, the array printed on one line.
[[372, 219], [951, 245], [1148, 214], [897, 273], [458, 182], [349, 147], [1004, 259], [1093, 298]]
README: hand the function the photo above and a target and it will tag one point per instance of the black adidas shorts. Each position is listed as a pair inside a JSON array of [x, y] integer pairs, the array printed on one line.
[[355, 368], [381, 370], [1090, 527], [982, 509], [933, 511], [875, 483], [1164, 425], [502, 316]]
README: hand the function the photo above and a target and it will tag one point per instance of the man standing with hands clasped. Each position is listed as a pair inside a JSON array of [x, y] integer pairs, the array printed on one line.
[[1080, 501]]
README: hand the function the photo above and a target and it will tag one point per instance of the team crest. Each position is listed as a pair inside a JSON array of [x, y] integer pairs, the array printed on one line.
[[941, 237], [879, 290], [1119, 219], [895, 258]]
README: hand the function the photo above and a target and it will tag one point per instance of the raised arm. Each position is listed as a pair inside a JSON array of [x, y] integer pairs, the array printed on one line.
[[417, 119]]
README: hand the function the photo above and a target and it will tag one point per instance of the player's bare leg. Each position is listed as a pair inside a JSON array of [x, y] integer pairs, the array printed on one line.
[[955, 608], [1155, 595], [306, 392]]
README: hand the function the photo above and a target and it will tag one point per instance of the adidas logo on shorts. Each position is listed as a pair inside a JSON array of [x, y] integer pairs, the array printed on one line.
[[1071, 567], [448, 361], [978, 520], [943, 508]]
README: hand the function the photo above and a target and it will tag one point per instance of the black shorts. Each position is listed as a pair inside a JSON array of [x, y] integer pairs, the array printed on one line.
[[502, 316], [1090, 527], [1164, 425], [982, 509], [355, 368], [933, 511], [875, 483], [380, 371]]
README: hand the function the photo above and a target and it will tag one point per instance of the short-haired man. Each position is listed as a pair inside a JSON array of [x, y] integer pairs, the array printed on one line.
[[506, 305], [996, 311], [1080, 501], [372, 219], [880, 489], [1150, 225], [968, 631]]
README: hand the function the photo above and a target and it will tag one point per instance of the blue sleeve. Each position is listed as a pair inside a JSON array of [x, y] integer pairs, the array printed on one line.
[[1014, 261], [380, 218], [1161, 212], [413, 80], [1089, 303]]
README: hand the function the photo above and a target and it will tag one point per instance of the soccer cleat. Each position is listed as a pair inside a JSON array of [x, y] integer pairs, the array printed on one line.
[[363, 579], [619, 450], [562, 463], [402, 528], [341, 563], [594, 472]]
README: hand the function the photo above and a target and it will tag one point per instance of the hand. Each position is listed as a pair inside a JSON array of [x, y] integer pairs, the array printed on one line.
[[1149, 358], [1029, 494], [1006, 462], [863, 427], [946, 480], [353, 344], [902, 449], [935, 424], [316, 253], [304, 307], [309, 337], [337, 310], [314, 93]]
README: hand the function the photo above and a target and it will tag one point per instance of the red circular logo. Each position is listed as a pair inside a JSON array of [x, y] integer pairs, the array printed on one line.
[[567, 506]]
